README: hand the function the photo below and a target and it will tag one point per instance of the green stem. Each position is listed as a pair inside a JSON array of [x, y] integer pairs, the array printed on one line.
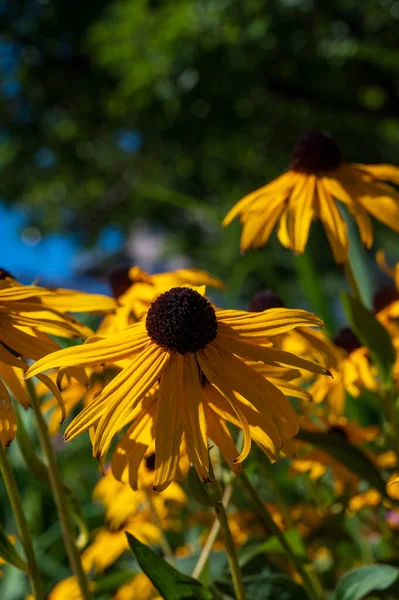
[[231, 551], [391, 417], [310, 281], [167, 550], [17, 508], [214, 532], [60, 499], [275, 530]]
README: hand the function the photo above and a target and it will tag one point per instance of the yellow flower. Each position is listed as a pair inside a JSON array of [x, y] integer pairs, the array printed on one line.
[[68, 589], [348, 361], [183, 343], [143, 289], [317, 178], [139, 588], [370, 498], [315, 462], [109, 545], [29, 315], [122, 503]]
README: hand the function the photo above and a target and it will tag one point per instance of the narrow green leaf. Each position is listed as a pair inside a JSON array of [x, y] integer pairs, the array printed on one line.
[[350, 456], [171, 584], [9, 553], [371, 334], [358, 583], [272, 545]]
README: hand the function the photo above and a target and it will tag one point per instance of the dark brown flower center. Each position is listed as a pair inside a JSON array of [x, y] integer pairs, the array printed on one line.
[[119, 281], [347, 340], [150, 462], [384, 297], [315, 152], [338, 431], [264, 300], [181, 319]]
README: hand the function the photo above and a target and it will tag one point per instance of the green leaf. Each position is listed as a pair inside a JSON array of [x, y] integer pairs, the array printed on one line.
[[272, 545], [273, 586], [358, 583], [171, 584], [350, 456], [9, 553], [371, 334]]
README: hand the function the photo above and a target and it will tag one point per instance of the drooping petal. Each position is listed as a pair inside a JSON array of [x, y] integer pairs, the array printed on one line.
[[226, 390], [381, 172], [380, 200], [194, 418], [268, 400], [129, 452], [259, 429], [258, 225], [282, 185], [119, 409], [301, 210], [169, 423], [334, 224], [219, 433], [114, 392]]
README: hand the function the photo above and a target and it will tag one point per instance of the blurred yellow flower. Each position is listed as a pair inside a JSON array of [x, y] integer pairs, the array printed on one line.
[[315, 462], [183, 343], [140, 289], [29, 314], [122, 503], [68, 589], [317, 178], [139, 588]]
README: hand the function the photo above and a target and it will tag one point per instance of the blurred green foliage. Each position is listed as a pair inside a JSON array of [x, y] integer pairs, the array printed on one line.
[[129, 112]]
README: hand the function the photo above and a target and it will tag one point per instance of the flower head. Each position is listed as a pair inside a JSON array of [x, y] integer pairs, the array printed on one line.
[[185, 346], [318, 178]]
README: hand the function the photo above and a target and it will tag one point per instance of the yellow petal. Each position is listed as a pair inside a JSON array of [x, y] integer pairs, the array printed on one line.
[[300, 212], [130, 450], [282, 185], [194, 418], [270, 322], [226, 390], [381, 172], [8, 421], [219, 433], [119, 407], [169, 423], [334, 224], [114, 348], [274, 356], [268, 400]]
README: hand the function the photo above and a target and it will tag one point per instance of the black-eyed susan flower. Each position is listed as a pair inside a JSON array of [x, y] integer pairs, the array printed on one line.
[[183, 344], [318, 178]]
